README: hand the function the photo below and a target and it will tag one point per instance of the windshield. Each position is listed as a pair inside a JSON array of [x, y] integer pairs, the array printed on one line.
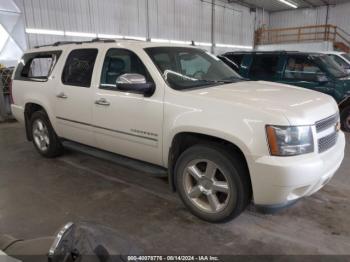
[[185, 68], [327, 63], [346, 56], [340, 61]]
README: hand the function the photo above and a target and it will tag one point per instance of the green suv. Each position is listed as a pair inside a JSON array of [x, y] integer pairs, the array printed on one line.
[[309, 70]]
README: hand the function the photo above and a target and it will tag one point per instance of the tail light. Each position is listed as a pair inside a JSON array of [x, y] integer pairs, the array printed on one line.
[[10, 91]]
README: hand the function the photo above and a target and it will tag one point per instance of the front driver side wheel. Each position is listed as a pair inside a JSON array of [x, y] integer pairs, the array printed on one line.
[[212, 183]]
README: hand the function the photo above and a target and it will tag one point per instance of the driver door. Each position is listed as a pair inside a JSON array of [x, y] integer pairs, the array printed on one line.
[[126, 123]]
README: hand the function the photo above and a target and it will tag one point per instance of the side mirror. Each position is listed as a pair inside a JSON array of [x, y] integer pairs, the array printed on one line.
[[135, 83]]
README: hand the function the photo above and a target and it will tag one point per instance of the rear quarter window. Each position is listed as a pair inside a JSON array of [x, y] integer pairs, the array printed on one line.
[[37, 66]]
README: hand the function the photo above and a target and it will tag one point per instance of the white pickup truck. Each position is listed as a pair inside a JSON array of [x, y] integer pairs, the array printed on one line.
[[224, 141]]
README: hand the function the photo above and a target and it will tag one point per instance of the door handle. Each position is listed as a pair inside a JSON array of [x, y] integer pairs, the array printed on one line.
[[62, 95], [102, 102]]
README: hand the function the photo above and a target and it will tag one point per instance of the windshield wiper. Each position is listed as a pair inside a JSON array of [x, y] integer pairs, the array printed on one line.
[[220, 81], [343, 76]]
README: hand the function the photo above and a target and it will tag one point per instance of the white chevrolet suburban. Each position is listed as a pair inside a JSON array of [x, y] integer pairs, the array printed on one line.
[[224, 141]]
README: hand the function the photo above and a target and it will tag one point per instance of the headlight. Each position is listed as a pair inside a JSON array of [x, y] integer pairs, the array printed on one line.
[[290, 140]]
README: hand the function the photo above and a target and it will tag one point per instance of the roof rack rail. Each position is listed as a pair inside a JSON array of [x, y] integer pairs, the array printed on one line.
[[95, 40], [104, 40], [132, 39], [59, 43]]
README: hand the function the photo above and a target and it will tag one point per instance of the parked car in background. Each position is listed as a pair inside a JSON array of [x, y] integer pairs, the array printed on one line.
[[341, 58], [223, 141], [229, 62], [314, 71]]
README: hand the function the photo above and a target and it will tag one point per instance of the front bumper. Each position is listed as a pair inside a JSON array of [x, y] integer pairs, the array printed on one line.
[[282, 180]]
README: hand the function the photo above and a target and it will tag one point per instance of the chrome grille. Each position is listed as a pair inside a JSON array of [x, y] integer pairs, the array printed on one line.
[[326, 123], [327, 142]]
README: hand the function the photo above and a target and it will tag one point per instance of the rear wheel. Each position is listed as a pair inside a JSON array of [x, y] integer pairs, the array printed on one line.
[[211, 183], [44, 137], [345, 119]]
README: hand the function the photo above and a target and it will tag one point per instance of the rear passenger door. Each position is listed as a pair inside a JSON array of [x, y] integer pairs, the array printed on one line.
[[74, 97]]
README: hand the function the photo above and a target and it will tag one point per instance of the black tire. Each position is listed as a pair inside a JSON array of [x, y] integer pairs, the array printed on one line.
[[237, 178], [54, 147], [345, 119]]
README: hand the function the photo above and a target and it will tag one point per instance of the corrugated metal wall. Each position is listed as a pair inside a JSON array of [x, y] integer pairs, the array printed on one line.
[[168, 19], [338, 15], [180, 20], [298, 17]]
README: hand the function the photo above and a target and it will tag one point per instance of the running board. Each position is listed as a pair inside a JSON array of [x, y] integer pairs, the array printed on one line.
[[117, 159]]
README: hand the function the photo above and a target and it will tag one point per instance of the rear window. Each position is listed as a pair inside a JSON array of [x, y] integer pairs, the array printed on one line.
[[37, 66]]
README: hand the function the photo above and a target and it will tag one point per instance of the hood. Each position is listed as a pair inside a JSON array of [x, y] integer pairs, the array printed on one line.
[[299, 105]]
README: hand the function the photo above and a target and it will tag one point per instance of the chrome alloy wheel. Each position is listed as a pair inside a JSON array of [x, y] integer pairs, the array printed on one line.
[[41, 135], [206, 186]]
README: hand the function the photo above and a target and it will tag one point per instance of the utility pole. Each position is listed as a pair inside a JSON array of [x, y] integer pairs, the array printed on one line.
[[327, 15], [213, 26], [147, 22]]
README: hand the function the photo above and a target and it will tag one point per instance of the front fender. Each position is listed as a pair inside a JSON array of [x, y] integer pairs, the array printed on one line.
[[237, 123], [229, 137]]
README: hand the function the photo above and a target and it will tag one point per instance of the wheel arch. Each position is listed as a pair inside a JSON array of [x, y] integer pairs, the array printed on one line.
[[29, 109], [183, 140]]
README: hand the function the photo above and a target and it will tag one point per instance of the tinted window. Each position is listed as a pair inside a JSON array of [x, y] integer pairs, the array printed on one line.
[[118, 62], [237, 59], [264, 66], [79, 67], [302, 68], [36, 66]]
